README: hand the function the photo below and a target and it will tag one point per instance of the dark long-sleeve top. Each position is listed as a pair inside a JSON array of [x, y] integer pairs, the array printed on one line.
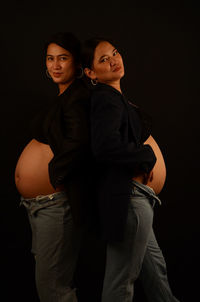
[[118, 131], [64, 126]]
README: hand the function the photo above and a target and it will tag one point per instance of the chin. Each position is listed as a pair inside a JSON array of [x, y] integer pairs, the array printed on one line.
[[122, 73], [118, 77], [57, 81]]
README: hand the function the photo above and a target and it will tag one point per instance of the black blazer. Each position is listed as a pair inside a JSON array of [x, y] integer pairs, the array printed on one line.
[[64, 125], [117, 135]]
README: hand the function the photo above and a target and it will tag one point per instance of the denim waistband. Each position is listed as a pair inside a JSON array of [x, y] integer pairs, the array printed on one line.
[[42, 201], [146, 190]]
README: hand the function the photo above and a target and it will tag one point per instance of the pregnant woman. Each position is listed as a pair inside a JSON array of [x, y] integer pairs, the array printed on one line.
[[131, 172], [50, 173]]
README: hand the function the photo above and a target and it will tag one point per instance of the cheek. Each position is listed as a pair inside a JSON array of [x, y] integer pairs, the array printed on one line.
[[48, 65], [104, 69], [120, 60], [69, 68], [69, 72]]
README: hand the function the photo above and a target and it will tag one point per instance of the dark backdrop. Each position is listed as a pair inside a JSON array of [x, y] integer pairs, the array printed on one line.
[[160, 45]]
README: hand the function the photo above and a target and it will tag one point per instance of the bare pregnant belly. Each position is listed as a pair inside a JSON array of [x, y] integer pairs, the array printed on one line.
[[159, 170], [31, 173]]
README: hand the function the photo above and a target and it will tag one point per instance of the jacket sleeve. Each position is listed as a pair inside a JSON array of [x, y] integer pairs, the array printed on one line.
[[108, 145], [74, 146]]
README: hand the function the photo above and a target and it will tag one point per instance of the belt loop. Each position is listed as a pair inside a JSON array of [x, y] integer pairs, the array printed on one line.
[[51, 196]]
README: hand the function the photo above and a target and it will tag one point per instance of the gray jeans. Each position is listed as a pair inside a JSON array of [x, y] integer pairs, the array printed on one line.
[[138, 255], [55, 244]]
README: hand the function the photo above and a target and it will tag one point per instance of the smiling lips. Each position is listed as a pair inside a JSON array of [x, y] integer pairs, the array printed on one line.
[[57, 74], [117, 68]]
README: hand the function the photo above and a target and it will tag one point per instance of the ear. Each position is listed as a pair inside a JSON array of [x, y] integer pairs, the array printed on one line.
[[90, 73]]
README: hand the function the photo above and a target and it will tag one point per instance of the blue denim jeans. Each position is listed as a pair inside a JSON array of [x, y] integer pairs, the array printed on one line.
[[138, 255], [55, 244]]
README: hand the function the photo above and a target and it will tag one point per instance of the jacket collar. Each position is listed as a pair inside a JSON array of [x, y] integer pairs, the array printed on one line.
[[74, 86], [102, 86]]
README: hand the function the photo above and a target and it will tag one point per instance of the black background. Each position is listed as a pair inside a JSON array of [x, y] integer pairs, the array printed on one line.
[[160, 46]]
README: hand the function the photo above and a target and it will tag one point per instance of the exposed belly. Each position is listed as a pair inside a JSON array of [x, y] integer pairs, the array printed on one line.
[[159, 170], [32, 176], [31, 173]]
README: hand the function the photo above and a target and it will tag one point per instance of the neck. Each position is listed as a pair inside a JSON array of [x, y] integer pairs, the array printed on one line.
[[62, 87]]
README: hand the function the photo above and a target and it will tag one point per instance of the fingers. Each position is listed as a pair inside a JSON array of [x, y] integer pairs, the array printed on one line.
[[147, 177]]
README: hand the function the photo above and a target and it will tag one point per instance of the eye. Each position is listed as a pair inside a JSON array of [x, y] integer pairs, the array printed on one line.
[[49, 59], [115, 52], [104, 59], [63, 58]]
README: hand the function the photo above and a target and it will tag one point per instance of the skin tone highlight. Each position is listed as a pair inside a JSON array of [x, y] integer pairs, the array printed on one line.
[[107, 67], [60, 65]]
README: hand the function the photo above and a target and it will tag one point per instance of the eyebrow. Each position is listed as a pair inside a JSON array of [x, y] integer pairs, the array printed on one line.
[[106, 55], [61, 55]]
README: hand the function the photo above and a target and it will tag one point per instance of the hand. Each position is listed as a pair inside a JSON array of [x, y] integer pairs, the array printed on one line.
[[144, 178], [147, 177]]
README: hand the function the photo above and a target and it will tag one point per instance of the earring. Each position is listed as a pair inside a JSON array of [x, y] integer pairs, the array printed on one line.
[[47, 74], [79, 76], [94, 82]]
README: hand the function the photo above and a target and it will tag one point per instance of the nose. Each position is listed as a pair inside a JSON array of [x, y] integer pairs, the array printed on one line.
[[56, 64], [112, 62]]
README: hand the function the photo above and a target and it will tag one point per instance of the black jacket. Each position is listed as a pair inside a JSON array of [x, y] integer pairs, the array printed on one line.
[[64, 125], [118, 130]]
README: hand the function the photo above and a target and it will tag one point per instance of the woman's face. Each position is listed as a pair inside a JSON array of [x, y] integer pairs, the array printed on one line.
[[107, 65], [60, 64]]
